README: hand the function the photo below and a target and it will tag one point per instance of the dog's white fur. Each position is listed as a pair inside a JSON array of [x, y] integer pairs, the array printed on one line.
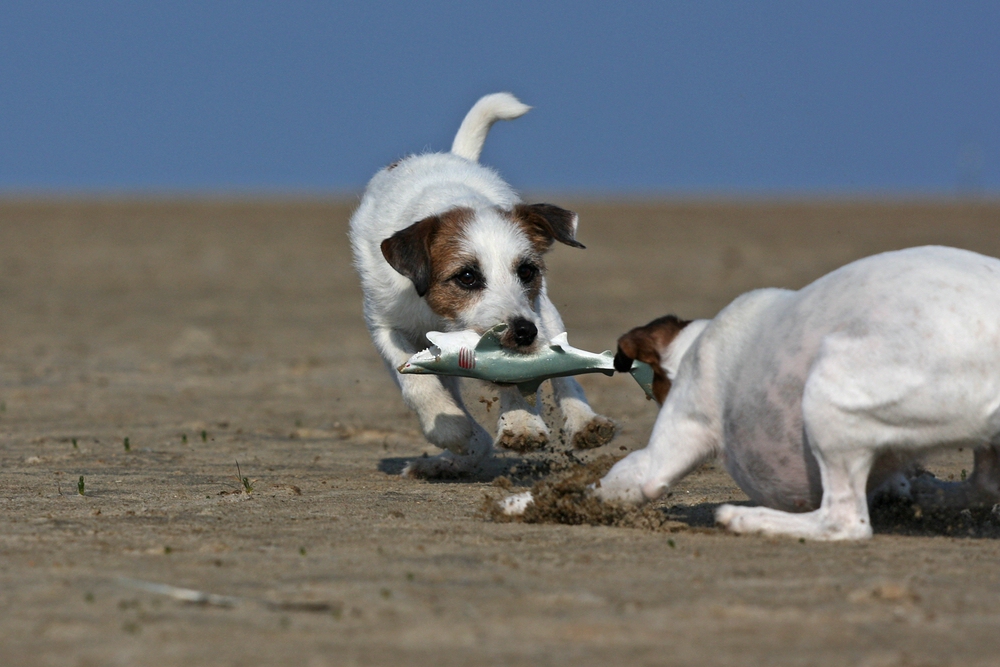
[[814, 397], [423, 186]]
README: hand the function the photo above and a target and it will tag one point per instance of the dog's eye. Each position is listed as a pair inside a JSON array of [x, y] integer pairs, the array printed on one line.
[[527, 272], [469, 279]]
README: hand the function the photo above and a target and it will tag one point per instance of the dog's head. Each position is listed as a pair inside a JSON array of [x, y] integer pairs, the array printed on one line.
[[650, 343], [478, 268]]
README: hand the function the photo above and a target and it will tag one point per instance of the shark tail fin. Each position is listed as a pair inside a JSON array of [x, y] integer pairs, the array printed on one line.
[[642, 373]]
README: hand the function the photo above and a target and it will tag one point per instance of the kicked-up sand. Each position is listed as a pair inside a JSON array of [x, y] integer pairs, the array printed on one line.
[[215, 334]]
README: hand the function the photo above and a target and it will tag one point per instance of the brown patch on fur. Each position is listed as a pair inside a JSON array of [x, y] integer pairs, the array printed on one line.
[[546, 223], [393, 165], [565, 498], [648, 343], [419, 251], [430, 253], [445, 297]]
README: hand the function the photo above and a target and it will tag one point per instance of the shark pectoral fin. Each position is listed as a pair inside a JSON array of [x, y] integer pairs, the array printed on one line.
[[491, 339], [642, 373], [529, 390]]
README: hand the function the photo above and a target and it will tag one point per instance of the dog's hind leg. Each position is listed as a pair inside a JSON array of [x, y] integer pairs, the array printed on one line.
[[842, 515], [444, 419], [844, 446], [582, 427], [520, 427], [981, 488]]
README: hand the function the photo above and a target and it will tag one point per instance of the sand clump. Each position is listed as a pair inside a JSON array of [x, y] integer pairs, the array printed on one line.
[[563, 497]]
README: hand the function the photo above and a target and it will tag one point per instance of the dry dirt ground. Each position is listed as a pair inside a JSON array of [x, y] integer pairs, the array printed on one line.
[[206, 333]]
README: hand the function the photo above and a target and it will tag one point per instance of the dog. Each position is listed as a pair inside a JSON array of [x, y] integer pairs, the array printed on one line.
[[815, 398], [442, 243]]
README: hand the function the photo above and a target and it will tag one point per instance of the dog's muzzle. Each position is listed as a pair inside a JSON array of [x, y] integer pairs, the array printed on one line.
[[524, 332]]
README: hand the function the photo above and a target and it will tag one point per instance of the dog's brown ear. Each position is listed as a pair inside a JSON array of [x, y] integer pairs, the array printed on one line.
[[648, 343], [546, 223], [408, 251]]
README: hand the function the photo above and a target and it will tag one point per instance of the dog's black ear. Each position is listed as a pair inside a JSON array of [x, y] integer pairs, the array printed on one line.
[[408, 251], [547, 223]]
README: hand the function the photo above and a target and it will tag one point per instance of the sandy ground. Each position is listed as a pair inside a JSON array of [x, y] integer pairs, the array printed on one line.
[[210, 333]]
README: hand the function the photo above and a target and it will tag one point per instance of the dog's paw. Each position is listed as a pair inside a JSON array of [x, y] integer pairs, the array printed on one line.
[[928, 491], [442, 466], [516, 504], [598, 431], [728, 517], [522, 441], [521, 431]]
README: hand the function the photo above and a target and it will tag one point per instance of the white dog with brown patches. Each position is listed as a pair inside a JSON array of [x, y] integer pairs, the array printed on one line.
[[442, 243], [815, 398]]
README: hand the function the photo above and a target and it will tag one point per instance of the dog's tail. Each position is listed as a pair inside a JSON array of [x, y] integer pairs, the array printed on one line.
[[489, 109]]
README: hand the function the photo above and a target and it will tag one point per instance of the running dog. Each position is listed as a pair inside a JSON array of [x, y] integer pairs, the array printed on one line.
[[814, 398], [442, 243]]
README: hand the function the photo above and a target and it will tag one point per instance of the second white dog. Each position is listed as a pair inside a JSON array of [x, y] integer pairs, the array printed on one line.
[[814, 398], [442, 243]]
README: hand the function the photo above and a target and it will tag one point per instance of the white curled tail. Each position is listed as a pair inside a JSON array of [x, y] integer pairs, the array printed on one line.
[[489, 109]]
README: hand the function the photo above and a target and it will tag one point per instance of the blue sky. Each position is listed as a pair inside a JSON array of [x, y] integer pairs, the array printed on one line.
[[629, 98]]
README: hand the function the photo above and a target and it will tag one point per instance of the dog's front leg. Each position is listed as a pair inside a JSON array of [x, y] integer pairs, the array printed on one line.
[[444, 419], [678, 445], [520, 427], [584, 428]]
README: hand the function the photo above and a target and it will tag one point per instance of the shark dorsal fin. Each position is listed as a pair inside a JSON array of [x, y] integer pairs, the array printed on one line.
[[561, 341], [491, 339], [434, 337]]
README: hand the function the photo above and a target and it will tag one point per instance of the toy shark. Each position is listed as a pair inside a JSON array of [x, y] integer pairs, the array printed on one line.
[[467, 354]]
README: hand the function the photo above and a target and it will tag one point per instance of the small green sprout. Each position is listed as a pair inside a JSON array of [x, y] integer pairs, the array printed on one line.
[[88, 597], [302, 551], [128, 447], [671, 544], [3, 406], [385, 593], [79, 486], [244, 481], [184, 438], [204, 435], [73, 440], [410, 576], [168, 550], [964, 474]]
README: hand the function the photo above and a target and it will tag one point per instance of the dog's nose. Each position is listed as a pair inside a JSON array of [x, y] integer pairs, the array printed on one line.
[[524, 332]]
